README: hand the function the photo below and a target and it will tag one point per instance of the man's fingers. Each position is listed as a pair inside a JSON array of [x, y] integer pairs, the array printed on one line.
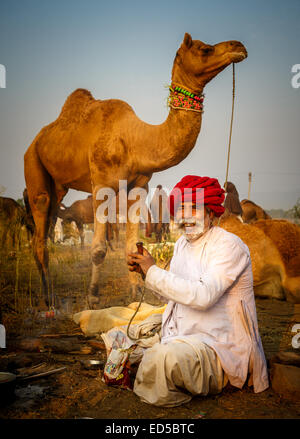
[[129, 261], [145, 252], [131, 256], [135, 256]]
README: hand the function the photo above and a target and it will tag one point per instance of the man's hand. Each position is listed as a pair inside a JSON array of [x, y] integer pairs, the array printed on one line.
[[145, 260]]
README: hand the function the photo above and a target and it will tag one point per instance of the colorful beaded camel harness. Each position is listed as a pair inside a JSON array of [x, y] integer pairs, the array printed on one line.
[[183, 99]]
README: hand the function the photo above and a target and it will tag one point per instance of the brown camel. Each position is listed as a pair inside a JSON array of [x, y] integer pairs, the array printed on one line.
[[158, 220], [12, 218], [252, 212], [271, 276], [232, 202], [81, 212], [286, 237], [94, 144]]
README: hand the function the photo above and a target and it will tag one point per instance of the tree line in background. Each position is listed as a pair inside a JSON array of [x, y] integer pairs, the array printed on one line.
[[292, 214]]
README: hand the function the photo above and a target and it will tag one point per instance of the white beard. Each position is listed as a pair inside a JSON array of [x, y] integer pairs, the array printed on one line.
[[191, 237], [191, 233]]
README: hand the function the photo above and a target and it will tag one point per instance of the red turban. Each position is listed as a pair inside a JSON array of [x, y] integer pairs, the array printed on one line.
[[213, 193]]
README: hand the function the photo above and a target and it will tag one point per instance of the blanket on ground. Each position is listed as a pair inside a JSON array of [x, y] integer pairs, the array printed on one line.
[[93, 322]]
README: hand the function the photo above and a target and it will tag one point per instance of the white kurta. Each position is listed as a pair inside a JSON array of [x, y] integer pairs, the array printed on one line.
[[210, 300]]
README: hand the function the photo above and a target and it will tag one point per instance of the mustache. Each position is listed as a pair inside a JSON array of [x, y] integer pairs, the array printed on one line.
[[190, 222]]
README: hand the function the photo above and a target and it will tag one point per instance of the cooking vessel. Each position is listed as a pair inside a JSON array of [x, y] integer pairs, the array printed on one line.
[[7, 387]]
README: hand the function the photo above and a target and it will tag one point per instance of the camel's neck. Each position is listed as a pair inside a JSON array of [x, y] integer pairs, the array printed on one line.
[[169, 143], [186, 80]]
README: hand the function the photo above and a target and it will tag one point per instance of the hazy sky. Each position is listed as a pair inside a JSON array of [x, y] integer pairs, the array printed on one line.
[[125, 49]]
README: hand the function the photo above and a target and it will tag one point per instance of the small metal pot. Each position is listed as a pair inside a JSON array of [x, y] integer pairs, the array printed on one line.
[[7, 387], [92, 364]]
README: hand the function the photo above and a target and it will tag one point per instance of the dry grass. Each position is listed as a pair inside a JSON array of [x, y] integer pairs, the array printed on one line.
[[70, 270]]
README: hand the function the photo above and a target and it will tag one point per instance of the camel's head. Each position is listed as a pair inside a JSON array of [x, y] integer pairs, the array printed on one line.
[[196, 63]]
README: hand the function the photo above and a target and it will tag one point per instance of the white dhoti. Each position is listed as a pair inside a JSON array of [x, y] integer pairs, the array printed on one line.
[[171, 374]]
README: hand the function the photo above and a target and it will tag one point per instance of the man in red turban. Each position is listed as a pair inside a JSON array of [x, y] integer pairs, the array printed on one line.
[[208, 190], [187, 202], [209, 333]]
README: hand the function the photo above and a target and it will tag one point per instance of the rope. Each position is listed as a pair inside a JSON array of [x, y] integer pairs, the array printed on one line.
[[136, 311], [133, 316], [231, 122], [230, 131]]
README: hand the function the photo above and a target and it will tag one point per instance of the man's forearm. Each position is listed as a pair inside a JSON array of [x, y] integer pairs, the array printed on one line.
[[199, 294]]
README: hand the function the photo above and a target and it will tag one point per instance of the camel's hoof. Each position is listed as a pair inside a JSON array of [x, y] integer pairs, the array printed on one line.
[[93, 298], [93, 301]]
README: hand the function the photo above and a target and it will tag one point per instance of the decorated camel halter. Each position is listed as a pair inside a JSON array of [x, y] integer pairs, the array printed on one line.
[[183, 99]]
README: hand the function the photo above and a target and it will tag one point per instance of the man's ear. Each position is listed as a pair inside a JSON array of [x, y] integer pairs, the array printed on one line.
[[187, 41]]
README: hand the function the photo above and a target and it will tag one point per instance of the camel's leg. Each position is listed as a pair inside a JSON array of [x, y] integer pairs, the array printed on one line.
[[158, 232], [29, 235], [39, 185], [149, 226], [132, 237], [99, 250], [58, 194], [81, 233], [109, 235], [44, 202], [16, 237], [116, 233], [4, 236], [51, 232], [40, 202], [13, 237], [166, 232]]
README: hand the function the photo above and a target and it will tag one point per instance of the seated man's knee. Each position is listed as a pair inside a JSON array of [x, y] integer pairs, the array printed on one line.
[[170, 353]]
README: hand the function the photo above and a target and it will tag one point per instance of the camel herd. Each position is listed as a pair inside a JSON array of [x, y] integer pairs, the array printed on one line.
[[95, 144], [274, 244], [81, 213]]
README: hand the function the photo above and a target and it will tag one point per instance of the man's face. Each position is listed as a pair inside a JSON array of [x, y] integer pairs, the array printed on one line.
[[193, 221]]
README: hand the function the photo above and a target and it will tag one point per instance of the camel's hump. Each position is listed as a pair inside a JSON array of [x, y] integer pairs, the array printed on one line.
[[76, 103], [249, 201]]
